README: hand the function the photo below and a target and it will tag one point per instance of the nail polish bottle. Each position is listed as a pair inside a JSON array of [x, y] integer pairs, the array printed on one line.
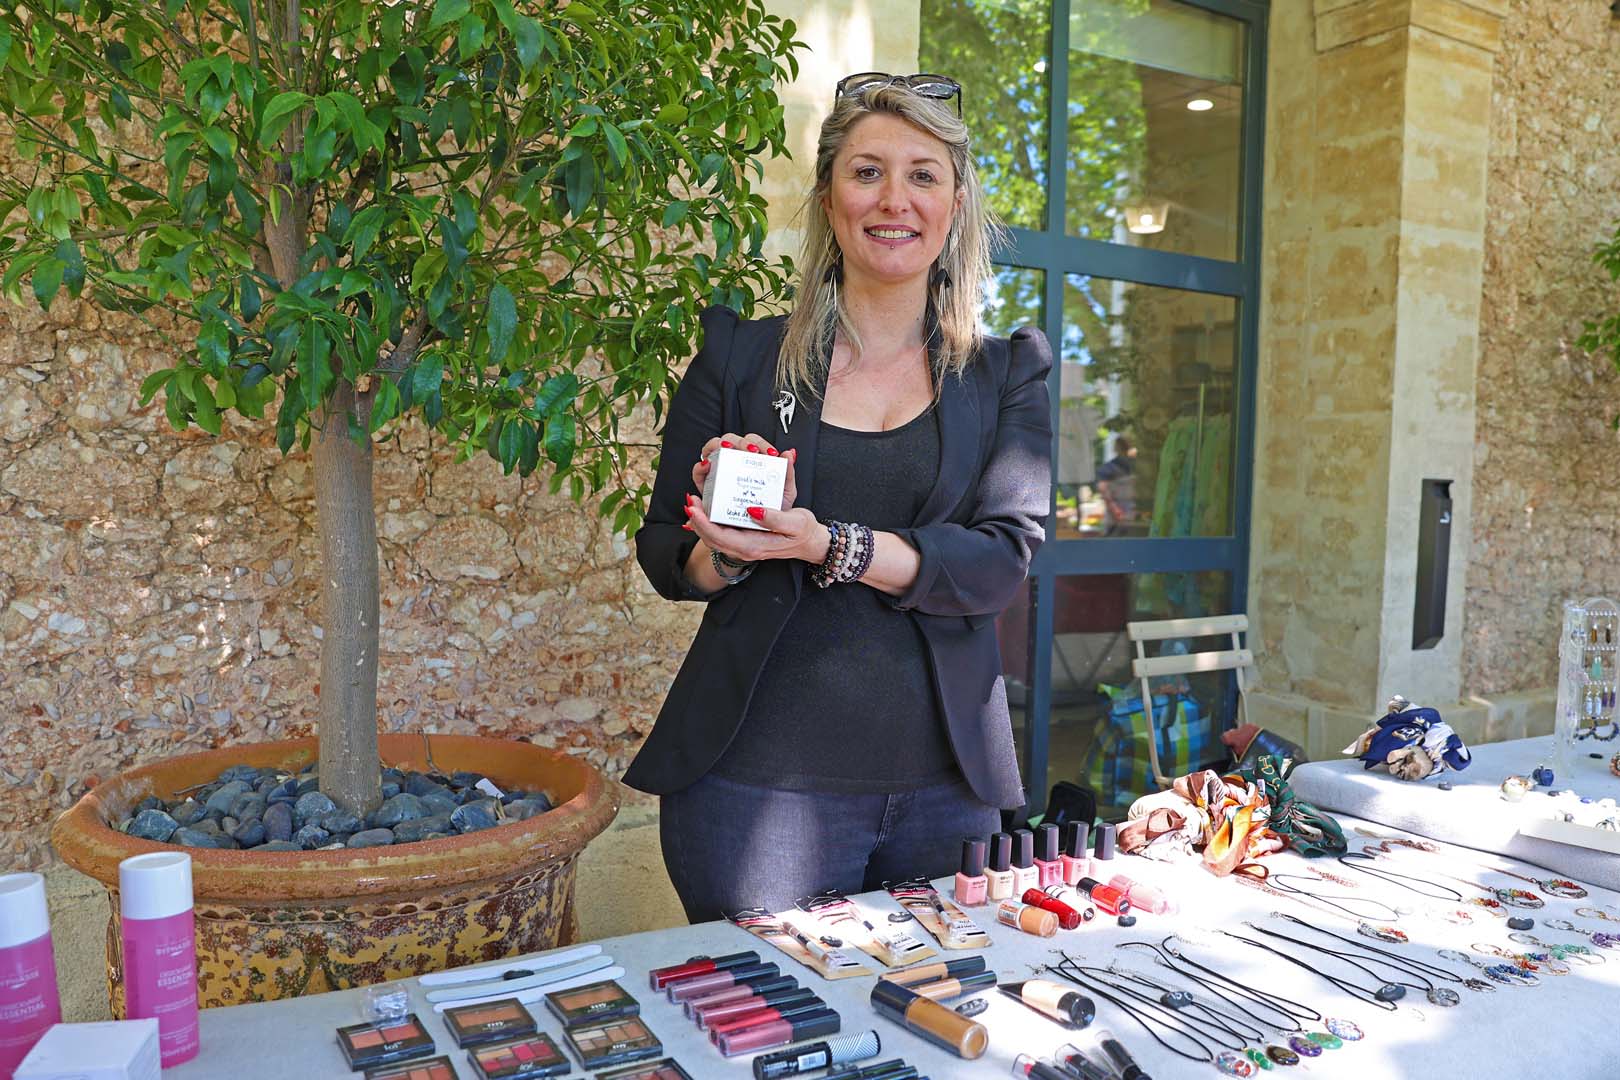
[[1111, 900], [1077, 852], [999, 875], [1026, 917], [1048, 855], [972, 888], [1025, 876], [1068, 917], [1105, 842], [1143, 897]]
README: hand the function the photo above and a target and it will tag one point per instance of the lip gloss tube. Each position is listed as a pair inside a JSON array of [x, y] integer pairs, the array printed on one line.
[[701, 965], [946, 989], [779, 1033], [740, 990], [766, 1015], [698, 985], [1068, 918], [1111, 900], [710, 1015]]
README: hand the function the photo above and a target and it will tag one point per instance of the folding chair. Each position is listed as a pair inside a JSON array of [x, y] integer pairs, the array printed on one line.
[[1236, 660]]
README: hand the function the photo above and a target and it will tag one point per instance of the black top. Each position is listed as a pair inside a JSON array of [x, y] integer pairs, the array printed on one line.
[[846, 702]]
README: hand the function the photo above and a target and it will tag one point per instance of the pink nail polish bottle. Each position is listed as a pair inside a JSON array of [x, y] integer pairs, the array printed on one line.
[[1143, 897], [1048, 855], [29, 1003], [1077, 853], [999, 873], [972, 887], [1025, 876], [160, 949]]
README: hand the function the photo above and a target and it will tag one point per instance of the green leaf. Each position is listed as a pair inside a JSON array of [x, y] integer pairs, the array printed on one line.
[[279, 113], [616, 144], [579, 178], [384, 404], [510, 445], [559, 440], [448, 11], [363, 230], [427, 376], [248, 300], [675, 213], [502, 322], [153, 383], [455, 248], [207, 413], [214, 347], [525, 34], [556, 393], [47, 280]]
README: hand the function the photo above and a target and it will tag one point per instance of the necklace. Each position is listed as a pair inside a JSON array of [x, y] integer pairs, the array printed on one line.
[[1384, 997], [1545, 963], [1602, 939], [1582, 954], [1506, 974], [1437, 995], [1166, 1020], [1275, 1002], [1512, 897], [1595, 913], [1277, 885], [1353, 858], [1392, 958]]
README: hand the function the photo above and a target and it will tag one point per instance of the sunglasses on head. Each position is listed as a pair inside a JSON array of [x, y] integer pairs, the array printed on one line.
[[938, 87]]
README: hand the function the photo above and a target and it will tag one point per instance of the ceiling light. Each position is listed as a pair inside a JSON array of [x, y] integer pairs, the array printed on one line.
[[1200, 104], [1146, 218]]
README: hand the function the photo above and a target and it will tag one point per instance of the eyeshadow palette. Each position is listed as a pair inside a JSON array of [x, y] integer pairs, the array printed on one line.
[[666, 1069], [594, 1004], [614, 1043], [489, 1021], [519, 1059], [365, 1045], [438, 1068]]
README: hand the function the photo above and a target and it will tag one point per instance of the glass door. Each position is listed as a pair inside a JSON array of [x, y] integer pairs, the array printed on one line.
[[1138, 257]]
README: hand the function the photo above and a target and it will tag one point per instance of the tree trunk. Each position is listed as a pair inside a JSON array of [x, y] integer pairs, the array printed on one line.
[[347, 522]]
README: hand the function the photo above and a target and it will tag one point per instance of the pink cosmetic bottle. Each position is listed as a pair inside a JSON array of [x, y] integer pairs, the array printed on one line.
[[1025, 876], [29, 1003], [160, 949], [1143, 897], [1048, 855], [972, 887], [1076, 853]]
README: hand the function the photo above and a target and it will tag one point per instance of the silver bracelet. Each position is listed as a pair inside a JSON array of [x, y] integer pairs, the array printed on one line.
[[740, 573]]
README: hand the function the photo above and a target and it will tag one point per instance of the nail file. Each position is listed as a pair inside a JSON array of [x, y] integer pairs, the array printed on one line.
[[509, 986], [535, 993], [495, 971]]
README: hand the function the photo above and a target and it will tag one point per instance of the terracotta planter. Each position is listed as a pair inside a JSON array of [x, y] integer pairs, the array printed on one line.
[[280, 924]]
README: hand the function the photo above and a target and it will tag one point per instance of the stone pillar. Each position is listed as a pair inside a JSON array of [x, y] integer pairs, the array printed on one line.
[[1377, 143]]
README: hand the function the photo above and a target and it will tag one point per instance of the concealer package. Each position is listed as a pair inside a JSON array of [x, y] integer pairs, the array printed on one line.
[[828, 961], [950, 927], [893, 947]]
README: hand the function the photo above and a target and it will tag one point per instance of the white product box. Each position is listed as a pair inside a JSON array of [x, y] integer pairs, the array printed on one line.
[[107, 1050], [737, 480]]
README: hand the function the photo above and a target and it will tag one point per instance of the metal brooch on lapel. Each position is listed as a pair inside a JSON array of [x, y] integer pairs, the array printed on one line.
[[784, 405]]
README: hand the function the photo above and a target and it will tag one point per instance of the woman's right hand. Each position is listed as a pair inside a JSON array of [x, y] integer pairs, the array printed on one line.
[[753, 444]]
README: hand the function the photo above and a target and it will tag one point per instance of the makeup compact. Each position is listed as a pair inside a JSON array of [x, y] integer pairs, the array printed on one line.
[[614, 1043], [519, 1059], [438, 1068], [366, 1045], [489, 1021], [666, 1069], [597, 1003]]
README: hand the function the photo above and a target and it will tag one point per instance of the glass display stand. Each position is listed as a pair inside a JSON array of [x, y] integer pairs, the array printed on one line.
[[1588, 680]]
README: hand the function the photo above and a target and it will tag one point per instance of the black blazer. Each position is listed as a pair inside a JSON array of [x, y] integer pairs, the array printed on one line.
[[976, 533]]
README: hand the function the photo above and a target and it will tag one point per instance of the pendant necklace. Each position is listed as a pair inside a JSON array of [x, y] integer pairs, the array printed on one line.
[[1601, 938], [1506, 974], [1478, 985], [1384, 997], [1545, 963], [1164, 1019], [1389, 991], [1595, 913], [1582, 954], [1278, 884], [1519, 898]]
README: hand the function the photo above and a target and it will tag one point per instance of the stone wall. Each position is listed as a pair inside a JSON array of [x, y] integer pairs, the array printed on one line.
[[1547, 480], [158, 591]]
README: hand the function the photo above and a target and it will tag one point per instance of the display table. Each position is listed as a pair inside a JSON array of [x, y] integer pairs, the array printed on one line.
[[1473, 813], [1560, 1028]]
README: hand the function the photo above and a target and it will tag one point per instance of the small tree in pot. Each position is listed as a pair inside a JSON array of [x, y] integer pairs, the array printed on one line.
[[498, 216]]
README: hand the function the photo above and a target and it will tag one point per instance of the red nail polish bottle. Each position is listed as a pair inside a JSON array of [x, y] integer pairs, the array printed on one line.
[[1111, 900]]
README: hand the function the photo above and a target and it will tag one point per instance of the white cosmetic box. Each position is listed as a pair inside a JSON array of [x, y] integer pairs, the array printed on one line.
[[737, 480], [105, 1050]]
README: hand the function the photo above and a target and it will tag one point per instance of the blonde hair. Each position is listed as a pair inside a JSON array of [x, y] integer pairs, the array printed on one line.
[[819, 314]]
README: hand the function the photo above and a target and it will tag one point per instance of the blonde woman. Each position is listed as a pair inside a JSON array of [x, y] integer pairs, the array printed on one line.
[[840, 718]]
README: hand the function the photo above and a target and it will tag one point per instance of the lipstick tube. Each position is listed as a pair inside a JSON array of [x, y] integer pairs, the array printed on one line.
[[930, 1020], [1031, 920], [1109, 899], [1068, 918], [1036, 1069], [946, 989], [764, 1016], [711, 1015], [698, 985], [936, 970], [779, 1033], [741, 989], [661, 977]]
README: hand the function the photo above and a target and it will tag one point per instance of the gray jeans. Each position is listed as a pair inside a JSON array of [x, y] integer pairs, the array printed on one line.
[[728, 845]]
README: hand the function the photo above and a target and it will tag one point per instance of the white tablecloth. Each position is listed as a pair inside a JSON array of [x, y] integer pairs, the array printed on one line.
[[1473, 813], [1560, 1030]]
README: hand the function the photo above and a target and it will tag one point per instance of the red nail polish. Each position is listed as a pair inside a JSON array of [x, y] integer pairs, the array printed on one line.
[[687, 525], [689, 510], [757, 513], [752, 449], [726, 445], [773, 452]]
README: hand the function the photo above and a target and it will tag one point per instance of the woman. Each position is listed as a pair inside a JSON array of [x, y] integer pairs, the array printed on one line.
[[840, 718]]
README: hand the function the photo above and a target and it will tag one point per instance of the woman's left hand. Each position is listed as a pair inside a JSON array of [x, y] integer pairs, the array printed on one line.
[[790, 534]]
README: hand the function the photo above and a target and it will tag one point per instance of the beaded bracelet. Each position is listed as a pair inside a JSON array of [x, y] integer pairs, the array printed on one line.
[[739, 570], [849, 554]]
